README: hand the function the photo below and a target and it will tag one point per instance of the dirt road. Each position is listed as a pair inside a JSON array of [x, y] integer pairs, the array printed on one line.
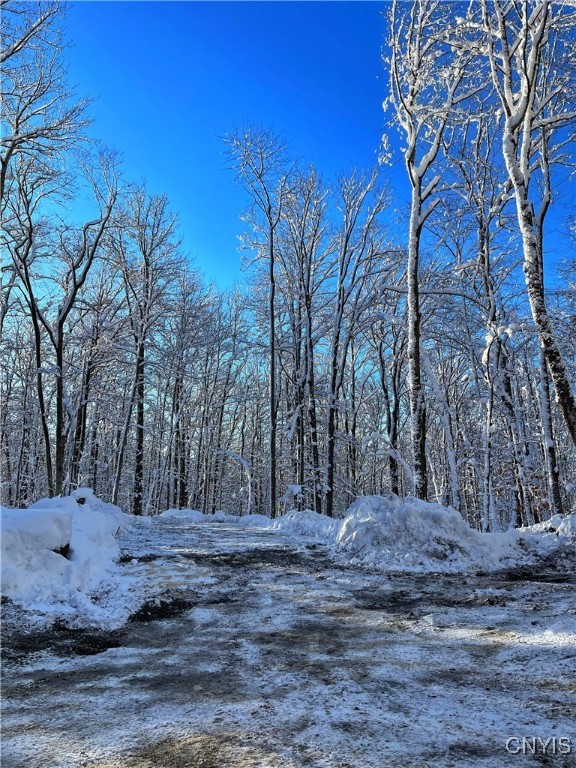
[[256, 650]]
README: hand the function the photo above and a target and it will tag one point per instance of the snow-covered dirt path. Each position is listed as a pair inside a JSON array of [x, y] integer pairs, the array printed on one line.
[[254, 649]]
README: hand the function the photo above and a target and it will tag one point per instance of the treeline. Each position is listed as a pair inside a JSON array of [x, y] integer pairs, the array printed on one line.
[[353, 361]]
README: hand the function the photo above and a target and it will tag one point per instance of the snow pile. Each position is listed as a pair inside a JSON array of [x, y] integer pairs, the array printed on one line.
[[308, 523], [396, 534], [195, 516], [192, 515], [560, 524], [565, 526], [408, 534], [59, 551], [247, 521], [413, 534]]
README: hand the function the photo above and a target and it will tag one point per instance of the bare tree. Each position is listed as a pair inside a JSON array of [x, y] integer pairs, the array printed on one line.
[[76, 251], [306, 264], [259, 158], [358, 255], [40, 119], [426, 74], [527, 49], [144, 246], [39, 114]]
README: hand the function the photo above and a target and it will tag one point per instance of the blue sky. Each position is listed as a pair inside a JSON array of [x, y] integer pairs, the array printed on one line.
[[170, 78]]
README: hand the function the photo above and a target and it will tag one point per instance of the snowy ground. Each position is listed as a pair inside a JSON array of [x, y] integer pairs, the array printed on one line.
[[251, 647]]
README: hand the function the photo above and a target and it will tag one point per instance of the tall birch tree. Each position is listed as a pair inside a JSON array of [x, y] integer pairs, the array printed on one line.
[[527, 46], [426, 75]]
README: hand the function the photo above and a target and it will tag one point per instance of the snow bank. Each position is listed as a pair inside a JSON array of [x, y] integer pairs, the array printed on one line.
[[396, 534], [193, 515], [59, 551], [566, 526], [563, 525], [412, 534], [307, 523], [246, 521]]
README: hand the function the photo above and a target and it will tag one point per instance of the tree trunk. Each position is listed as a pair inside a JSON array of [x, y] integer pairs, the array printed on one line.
[[138, 492], [272, 382], [415, 383], [312, 417], [122, 441], [552, 468], [331, 430], [80, 427], [535, 285]]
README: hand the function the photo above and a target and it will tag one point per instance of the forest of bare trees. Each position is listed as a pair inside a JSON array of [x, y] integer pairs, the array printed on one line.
[[440, 362]]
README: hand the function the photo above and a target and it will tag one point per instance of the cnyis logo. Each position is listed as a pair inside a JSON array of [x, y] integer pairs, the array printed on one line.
[[533, 745]]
